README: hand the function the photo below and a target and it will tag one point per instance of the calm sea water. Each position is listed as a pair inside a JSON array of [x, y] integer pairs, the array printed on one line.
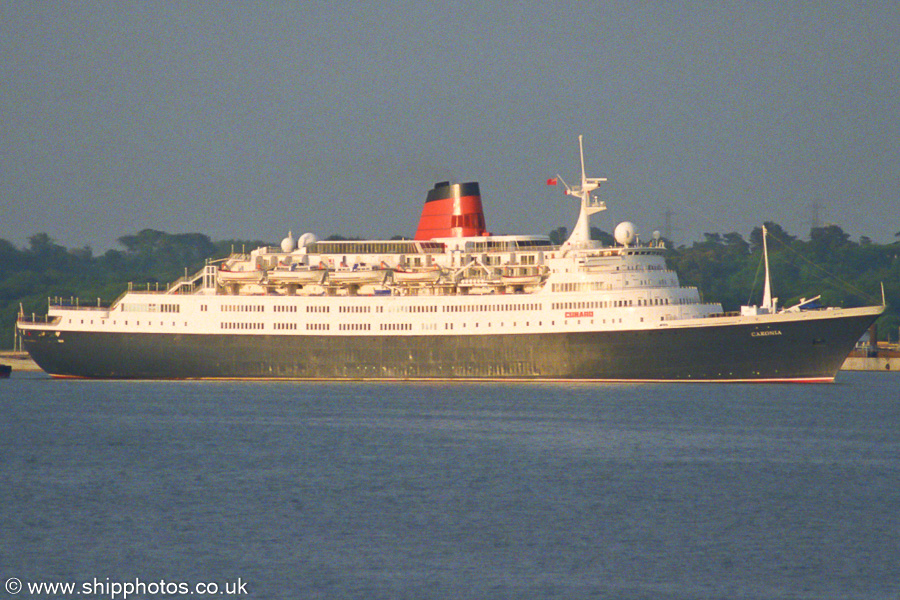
[[302, 490]]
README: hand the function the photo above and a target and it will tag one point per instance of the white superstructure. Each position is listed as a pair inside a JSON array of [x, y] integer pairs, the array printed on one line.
[[514, 284]]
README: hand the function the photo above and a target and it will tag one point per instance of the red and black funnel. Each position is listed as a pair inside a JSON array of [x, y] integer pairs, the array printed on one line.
[[452, 210]]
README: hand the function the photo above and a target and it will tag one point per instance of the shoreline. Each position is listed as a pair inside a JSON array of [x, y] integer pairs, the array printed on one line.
[[873, 363], [19, 361]]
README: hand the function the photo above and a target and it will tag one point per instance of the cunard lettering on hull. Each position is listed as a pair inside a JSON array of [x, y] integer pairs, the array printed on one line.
[[579, 314], [454, 302]]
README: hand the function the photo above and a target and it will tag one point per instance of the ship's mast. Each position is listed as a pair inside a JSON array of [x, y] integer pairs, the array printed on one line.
[[581, 233], [767, 301]]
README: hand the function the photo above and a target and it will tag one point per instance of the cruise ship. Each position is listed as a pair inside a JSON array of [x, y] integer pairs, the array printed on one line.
[[454, 302]]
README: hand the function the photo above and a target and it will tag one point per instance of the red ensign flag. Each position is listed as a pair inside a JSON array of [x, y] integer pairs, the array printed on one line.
[[551, 181]]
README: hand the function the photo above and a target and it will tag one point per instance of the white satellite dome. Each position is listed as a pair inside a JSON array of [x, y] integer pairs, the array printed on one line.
[[306, 239], [288, 244], [624, 233]]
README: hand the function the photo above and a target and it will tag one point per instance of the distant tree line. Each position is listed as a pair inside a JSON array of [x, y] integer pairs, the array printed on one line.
[[45, 269], [725, 268]]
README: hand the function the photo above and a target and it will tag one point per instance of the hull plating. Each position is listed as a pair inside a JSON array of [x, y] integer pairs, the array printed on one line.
[[801, 350]]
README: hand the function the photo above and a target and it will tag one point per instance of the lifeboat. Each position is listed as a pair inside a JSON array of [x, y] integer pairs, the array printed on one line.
[[227, 276], [358, 274], [417, 274], [523, 275], [297, 274]]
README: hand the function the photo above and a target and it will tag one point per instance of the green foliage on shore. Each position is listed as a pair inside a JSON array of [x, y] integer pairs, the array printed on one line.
[[44, 269], [728, 269], [725, 267]]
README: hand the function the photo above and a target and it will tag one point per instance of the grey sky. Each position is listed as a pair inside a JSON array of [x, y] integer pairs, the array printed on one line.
[[242, 120]]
